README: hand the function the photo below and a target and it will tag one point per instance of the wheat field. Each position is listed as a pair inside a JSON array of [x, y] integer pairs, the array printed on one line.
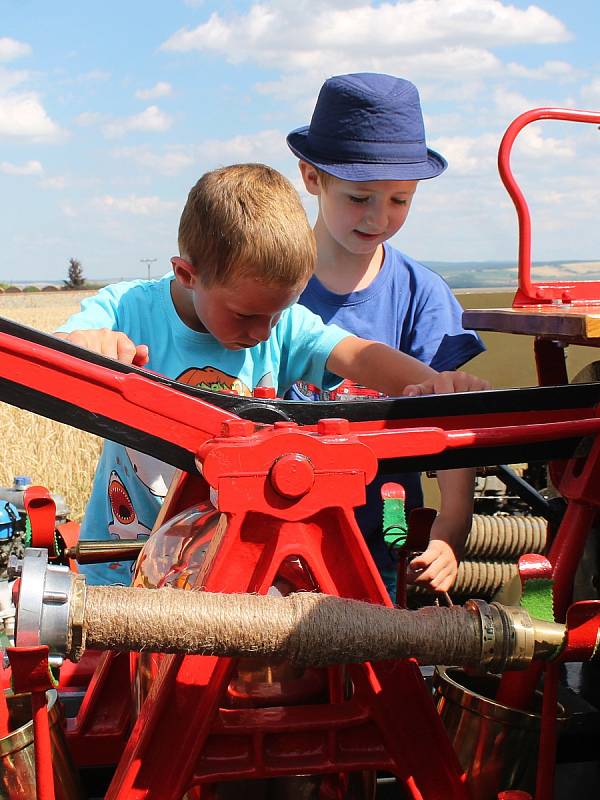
[[54, 455]]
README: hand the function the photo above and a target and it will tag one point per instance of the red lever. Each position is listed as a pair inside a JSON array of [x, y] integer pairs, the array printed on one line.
[[41, 510]]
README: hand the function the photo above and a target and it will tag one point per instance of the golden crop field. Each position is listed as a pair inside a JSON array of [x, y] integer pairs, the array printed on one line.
[[63, 458], [56, 456]]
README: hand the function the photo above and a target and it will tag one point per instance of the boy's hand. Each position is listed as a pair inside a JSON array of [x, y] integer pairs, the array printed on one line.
[[436, 568], [111, 344], [447, 383]]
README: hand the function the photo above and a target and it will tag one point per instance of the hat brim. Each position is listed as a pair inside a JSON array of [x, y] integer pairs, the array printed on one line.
[[367, 170]]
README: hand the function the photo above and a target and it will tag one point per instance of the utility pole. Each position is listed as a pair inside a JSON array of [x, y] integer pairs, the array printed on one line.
[[148, 261]]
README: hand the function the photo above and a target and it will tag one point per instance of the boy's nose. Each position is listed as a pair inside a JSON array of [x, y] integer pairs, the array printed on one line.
[[261, 329], [377, 217]]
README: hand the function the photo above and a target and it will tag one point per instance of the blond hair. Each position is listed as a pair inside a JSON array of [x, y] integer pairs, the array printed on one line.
[[247, 220]]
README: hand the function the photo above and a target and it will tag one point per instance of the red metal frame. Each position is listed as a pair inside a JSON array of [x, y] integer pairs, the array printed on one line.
[[199, 740], [531, 293]]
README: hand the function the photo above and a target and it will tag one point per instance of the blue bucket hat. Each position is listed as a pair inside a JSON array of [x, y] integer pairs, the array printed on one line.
[[367, 127]]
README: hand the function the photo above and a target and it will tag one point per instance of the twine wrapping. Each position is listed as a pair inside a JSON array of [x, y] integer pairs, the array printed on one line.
[[306, 628]]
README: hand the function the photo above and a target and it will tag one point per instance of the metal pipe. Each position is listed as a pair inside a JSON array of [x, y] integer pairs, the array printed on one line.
[[99, 551], [305, 627]]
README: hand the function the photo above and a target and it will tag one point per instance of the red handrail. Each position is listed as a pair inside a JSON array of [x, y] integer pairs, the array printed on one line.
[[530, 293]]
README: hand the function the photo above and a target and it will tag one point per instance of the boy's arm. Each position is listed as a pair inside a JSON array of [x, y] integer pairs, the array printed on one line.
[[394, 373], [380, 367], [437, 567]]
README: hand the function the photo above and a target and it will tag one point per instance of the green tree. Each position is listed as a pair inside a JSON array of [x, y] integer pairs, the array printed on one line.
[[75, 279]]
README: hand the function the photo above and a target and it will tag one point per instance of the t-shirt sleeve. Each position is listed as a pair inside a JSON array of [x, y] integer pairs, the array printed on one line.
[[306, 343], [99, 311], [451, 345]]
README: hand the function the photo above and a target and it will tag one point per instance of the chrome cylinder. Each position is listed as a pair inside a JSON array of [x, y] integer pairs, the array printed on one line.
[[497, 746], [17, 754]]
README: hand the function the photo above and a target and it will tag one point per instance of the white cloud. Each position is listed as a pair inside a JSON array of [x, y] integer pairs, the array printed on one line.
[[591, 93], [55, 182], [469, 155], [23, 116], [152, 119], [172, 161], [11, 49], [510, 104], [133, 204], [300, 35], [264, 146], [267, 145], [28, 168], [11, 78], [88, 118], [549, 70], [160, 89], [533, 144]]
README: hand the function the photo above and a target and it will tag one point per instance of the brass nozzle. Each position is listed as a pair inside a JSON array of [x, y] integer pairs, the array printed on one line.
[[511, 638]]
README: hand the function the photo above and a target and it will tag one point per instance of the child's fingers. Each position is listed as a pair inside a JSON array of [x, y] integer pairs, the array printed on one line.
[[434, 569], [419, 562], [444, 580], [141, 356], [423, 571], [414, 390], [447, 383]]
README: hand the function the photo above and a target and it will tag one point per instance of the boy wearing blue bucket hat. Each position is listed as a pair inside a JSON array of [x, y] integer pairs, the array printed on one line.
[[362, 156]]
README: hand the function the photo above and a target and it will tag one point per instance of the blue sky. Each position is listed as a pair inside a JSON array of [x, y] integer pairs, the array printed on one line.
[[109, 113]]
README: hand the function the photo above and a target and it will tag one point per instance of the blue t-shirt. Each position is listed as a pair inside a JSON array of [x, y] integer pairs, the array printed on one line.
[[129, 486], [412, 309]]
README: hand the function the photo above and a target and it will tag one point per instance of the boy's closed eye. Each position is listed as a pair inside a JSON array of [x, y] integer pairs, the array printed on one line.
[[400, 201]]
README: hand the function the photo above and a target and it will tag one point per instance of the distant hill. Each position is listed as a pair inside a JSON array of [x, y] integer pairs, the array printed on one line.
[[458, 274], [501, 274]]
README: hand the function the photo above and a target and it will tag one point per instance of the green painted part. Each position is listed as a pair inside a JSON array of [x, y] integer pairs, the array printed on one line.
[[27, 534], [537, 598], [54, 673], [27, 537], [394, 522]]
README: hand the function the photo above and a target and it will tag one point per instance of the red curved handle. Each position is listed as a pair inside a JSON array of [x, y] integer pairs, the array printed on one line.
[[529, 292]]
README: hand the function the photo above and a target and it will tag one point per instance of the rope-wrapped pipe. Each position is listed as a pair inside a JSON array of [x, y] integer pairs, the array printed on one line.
[[307, 628]]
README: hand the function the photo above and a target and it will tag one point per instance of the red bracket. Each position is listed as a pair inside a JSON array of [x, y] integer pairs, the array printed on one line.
[[583, 631], [31, 673], [41, 510]]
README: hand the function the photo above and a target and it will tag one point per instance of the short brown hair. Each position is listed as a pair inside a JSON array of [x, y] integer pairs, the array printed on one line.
[[324, 177], [247, 219]]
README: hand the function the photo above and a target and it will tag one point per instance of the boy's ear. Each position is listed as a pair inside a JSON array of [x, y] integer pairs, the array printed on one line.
[[310, 176], [184, 272]]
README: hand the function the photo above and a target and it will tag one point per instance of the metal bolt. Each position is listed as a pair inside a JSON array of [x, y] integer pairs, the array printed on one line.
[[237, 428], [333, 427], [55, 598], [292, 475], [14, 568], [265, 392]]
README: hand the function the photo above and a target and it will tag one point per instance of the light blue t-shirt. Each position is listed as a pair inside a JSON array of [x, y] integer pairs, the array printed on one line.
[[129, 486]]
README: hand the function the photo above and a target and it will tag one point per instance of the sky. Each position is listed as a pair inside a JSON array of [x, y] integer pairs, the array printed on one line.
[[111, 111]]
